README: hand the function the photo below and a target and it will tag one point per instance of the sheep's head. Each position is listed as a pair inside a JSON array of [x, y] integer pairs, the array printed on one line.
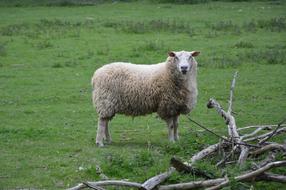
[[183, 60]]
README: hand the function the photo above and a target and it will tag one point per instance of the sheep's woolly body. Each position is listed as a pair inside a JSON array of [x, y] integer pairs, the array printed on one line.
[[134, 90]]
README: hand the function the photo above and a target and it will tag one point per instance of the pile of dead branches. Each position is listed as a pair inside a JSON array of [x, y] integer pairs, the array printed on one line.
[[237, 148]]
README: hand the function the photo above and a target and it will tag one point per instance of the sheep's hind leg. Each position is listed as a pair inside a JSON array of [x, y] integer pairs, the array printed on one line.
[[170, 124], [101, 131], [176, 125], [107, 134]]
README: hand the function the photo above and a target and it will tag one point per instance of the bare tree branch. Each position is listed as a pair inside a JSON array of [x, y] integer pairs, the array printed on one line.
[[182, 167], [231, 125], [255, 132], [154, 181], [78, 187], [221, 137], [225, 158], [205, 128], [243, 155], [205, 152], [273, 133], [251, 175], [192, 185], [108, 183], [264, 127], [272, 177], [92, 186], [231, 93], [261, 170], [267, 160], [267, 148], [219, 186], [265, 135]]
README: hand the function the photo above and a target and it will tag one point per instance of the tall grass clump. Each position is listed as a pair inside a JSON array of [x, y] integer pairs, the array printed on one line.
[[226, 26], [277, 24], [151, 45], [53, 27], [118, 164], [243, 44], [180, 1], [159, 25], [43, 44], [269, 56], [221, 62], [14, 29], [2, 49], [59, 3], [250, 26]]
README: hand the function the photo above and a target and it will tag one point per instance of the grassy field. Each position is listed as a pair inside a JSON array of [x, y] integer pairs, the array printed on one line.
[[47, 58]]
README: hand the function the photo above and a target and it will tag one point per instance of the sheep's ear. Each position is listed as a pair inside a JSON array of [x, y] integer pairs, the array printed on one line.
[[195, 53], [171, 54]]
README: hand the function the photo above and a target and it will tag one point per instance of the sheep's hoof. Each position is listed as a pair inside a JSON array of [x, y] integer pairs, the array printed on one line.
[[99, 144], [177, 138], [108, 141]]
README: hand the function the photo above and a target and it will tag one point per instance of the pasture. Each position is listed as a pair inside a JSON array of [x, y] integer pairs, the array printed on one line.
[[48, 55]]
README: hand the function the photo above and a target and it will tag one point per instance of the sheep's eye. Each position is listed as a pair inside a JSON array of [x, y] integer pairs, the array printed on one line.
[[176, 58], [191, 57]]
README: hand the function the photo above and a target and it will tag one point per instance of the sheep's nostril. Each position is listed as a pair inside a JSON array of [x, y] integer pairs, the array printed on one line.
[[184, 68]]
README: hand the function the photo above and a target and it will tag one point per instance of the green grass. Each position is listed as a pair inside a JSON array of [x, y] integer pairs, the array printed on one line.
[[47, 58]]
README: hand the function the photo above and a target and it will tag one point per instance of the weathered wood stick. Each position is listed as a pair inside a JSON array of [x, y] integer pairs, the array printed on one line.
[[231, 125], [93, 186], [156, 180], [108, 183], [272, 177], [243, 155], [273, 133], [181, 167], [205, 152], [225, 158], [267, 148], [259, 171], [219, 136], [219, 186], [222, 182], [192, 185], [250, 176], [268, 159], [265, 135], [264, 127], [231, 93], [230, 121], [214, 104], [78, 187], [257, 130]]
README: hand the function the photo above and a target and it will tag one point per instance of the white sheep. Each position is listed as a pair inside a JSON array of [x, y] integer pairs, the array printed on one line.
[[168, 88]]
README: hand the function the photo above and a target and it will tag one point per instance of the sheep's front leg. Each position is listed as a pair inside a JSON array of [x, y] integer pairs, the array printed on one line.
[[101, 131], [176, 125], [170, 124]]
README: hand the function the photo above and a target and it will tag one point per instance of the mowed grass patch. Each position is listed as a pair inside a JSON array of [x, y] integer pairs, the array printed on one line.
[[47, 58]]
